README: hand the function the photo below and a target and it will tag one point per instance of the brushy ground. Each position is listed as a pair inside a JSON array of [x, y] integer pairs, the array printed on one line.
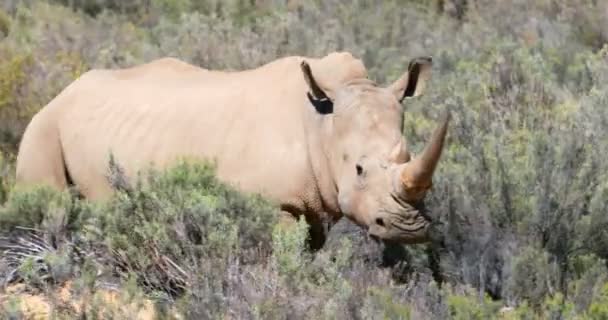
[[521, 188]]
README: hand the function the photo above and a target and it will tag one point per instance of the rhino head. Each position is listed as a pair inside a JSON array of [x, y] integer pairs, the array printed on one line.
[[380, 186]]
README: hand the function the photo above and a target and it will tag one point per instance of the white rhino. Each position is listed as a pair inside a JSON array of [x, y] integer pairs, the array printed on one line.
[[315, 135]]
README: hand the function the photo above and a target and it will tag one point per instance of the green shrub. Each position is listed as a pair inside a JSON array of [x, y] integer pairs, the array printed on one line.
[[464, 306], [557, 307], [40, 206], [10, 309], [598, 309], [13, 78], [532, 274], [5, 24], [185, 220], [381, 304], [289, 250], [7, 172]]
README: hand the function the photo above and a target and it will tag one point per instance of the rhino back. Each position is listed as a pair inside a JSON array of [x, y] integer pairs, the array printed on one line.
[[156, 112]]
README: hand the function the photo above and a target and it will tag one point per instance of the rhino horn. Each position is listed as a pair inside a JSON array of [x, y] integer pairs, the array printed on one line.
[[417, 174]]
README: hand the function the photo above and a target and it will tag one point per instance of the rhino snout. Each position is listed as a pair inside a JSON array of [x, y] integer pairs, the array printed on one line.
[[393, 228]]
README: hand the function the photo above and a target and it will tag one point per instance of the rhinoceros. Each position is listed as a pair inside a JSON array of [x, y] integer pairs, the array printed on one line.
[[313, 134]]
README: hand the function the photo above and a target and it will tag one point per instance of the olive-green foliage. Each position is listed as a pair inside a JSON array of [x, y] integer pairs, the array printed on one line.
[[13, 106], [469, 307], [288, 250], [531, 275], [521, 188], [7, 171], [184, 215], [599, 306], [11, 309], [42, 207], [171, 231], [5, 24]]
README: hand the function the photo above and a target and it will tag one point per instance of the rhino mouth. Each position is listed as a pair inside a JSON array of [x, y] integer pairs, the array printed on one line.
[[409, 225], [400, 233]]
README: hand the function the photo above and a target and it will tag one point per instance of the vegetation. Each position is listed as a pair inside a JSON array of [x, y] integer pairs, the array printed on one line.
[[521, 189]]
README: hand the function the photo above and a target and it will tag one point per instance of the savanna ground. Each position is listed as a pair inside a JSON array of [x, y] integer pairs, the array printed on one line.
[[521, 190]]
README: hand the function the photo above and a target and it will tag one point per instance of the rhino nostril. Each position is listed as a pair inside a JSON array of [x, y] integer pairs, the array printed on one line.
[[380, 222], [374, 237]]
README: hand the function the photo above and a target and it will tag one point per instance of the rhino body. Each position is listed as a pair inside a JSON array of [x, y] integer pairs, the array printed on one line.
[[263, 127]]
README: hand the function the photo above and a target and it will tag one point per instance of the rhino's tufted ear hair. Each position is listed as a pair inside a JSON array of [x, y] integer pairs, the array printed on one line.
[[413, 82], [317, 97]]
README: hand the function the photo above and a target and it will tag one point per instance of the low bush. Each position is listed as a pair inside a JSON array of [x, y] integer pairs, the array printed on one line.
[[172, 226], [7, 172]]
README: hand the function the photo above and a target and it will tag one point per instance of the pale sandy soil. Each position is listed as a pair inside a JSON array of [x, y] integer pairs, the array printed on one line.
[[39, 306]]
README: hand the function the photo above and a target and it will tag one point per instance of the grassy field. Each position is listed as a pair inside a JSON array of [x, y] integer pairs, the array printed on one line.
[[522, 188]]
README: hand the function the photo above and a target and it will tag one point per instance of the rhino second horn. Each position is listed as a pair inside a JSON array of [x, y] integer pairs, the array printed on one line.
[[419, 172], [400, 154]]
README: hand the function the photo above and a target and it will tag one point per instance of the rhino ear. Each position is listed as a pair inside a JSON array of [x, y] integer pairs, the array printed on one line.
[[413, 82], [317, 97]]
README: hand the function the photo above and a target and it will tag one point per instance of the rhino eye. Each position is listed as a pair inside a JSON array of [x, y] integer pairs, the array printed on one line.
[[359, 169]]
